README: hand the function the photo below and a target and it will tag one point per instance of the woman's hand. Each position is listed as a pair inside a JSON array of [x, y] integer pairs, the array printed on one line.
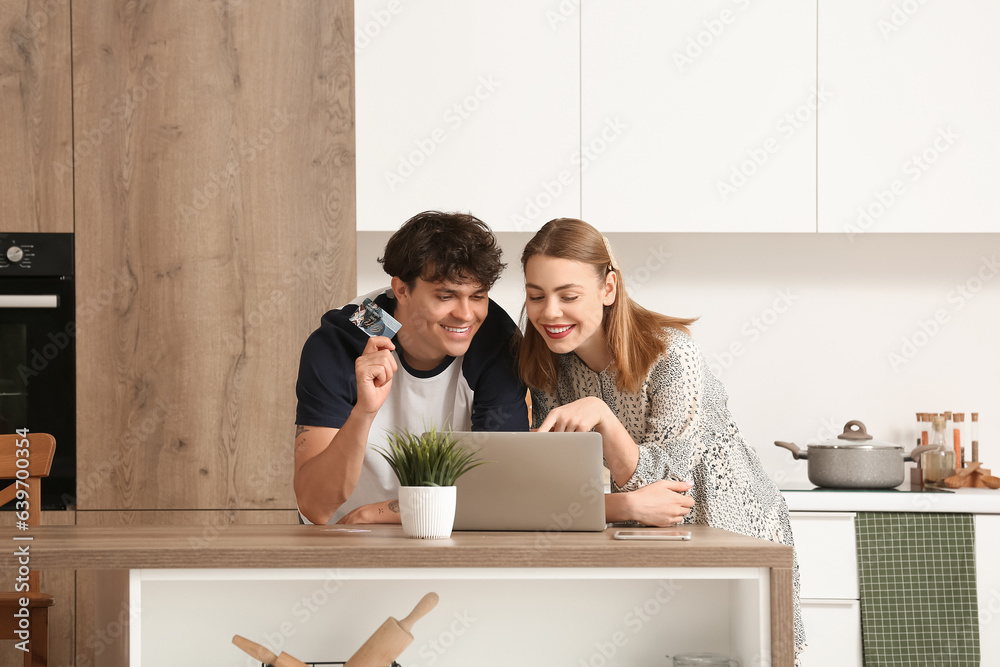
[[621, 454], [579, 416], [386, 511], [662, 503]]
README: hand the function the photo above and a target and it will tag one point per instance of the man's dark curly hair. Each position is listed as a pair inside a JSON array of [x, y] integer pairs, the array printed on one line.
[[438, 246]]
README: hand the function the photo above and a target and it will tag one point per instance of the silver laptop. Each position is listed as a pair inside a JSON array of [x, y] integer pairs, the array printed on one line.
[[534, 481]]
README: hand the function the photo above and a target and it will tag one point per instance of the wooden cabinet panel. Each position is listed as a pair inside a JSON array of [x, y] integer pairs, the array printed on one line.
[[215, 224], [103, 613], [36, 132]]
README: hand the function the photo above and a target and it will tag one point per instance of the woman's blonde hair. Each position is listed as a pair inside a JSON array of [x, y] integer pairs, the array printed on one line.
[[634, 334]]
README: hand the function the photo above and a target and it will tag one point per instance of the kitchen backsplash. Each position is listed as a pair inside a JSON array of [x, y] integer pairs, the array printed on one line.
[[809, 331]]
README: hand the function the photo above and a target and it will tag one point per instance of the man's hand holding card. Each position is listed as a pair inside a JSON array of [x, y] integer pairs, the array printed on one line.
[[375, 367]]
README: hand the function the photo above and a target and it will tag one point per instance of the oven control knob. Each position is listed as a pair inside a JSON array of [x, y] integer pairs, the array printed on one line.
[[15, 254]]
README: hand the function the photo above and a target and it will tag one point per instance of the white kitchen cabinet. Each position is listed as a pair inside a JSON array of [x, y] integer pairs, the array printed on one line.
[[829, 580], [826, 548], [988, 587], [833, 632], [699, 115], [468, 106], [909, 138]]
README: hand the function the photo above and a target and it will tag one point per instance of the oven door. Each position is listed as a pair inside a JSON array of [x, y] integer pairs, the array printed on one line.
[[38, 372]]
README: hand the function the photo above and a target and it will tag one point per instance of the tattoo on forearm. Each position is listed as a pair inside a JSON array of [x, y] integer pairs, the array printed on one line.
[[299, 430], [394, 506]]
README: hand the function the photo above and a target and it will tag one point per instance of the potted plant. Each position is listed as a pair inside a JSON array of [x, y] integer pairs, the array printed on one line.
[[427, 466]]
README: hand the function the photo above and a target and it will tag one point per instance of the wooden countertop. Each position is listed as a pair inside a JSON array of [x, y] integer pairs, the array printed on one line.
[[284, 546]]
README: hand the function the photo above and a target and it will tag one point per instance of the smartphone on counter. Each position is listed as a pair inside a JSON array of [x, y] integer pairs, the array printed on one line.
[[652, 534]]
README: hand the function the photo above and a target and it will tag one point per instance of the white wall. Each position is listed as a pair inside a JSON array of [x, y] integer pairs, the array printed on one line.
[[847, 307]]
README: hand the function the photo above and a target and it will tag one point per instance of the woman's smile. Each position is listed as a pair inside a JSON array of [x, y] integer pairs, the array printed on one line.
[[558, 330]]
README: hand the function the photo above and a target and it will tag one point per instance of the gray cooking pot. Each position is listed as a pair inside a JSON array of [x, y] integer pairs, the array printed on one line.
[[853, 460]]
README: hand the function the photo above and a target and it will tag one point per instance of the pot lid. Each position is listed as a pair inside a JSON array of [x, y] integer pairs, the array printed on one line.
[[855, 436]]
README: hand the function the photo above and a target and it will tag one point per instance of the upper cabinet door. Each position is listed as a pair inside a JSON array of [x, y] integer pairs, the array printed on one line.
[[37, 157], [469, 106], [910, 138], [699, 115]]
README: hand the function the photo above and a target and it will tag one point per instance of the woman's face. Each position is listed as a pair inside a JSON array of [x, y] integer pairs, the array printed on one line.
[[565, 303]]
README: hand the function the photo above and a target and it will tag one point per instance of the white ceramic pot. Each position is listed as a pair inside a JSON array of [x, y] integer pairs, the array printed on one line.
[[427, 511]]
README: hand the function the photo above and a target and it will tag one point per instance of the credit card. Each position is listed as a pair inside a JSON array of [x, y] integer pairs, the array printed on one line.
[[374, 321]]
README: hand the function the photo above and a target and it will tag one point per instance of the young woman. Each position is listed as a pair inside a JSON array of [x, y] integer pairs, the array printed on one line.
[[595, 359]]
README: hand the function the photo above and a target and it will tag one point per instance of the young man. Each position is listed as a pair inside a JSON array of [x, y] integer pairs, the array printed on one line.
[[450, 366]]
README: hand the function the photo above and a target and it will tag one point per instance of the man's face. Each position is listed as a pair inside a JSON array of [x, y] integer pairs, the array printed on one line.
[[438, 319]]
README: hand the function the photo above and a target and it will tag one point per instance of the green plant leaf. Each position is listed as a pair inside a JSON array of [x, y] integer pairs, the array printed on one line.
[[432, 459]]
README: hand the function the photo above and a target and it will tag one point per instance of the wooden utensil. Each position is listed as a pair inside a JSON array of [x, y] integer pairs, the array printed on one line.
[[974, 475], [262, 653], [392, 638]]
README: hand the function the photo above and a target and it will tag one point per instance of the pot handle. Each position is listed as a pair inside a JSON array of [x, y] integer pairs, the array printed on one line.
[[917, 451], [793, 448]]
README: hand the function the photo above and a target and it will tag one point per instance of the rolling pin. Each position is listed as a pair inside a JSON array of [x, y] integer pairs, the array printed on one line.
[[258, 652], [385, 645]]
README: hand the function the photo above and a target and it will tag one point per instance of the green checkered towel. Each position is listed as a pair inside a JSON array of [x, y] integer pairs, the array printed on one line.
[[918, 589]]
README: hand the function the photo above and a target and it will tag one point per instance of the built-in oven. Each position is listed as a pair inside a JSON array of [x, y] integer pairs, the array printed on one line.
[[38, 350]]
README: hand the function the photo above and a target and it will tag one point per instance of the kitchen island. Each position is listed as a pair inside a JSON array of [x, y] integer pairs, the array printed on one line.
[[506, 598]]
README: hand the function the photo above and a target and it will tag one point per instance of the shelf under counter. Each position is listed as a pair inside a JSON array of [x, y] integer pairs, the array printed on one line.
[[583, 593]]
